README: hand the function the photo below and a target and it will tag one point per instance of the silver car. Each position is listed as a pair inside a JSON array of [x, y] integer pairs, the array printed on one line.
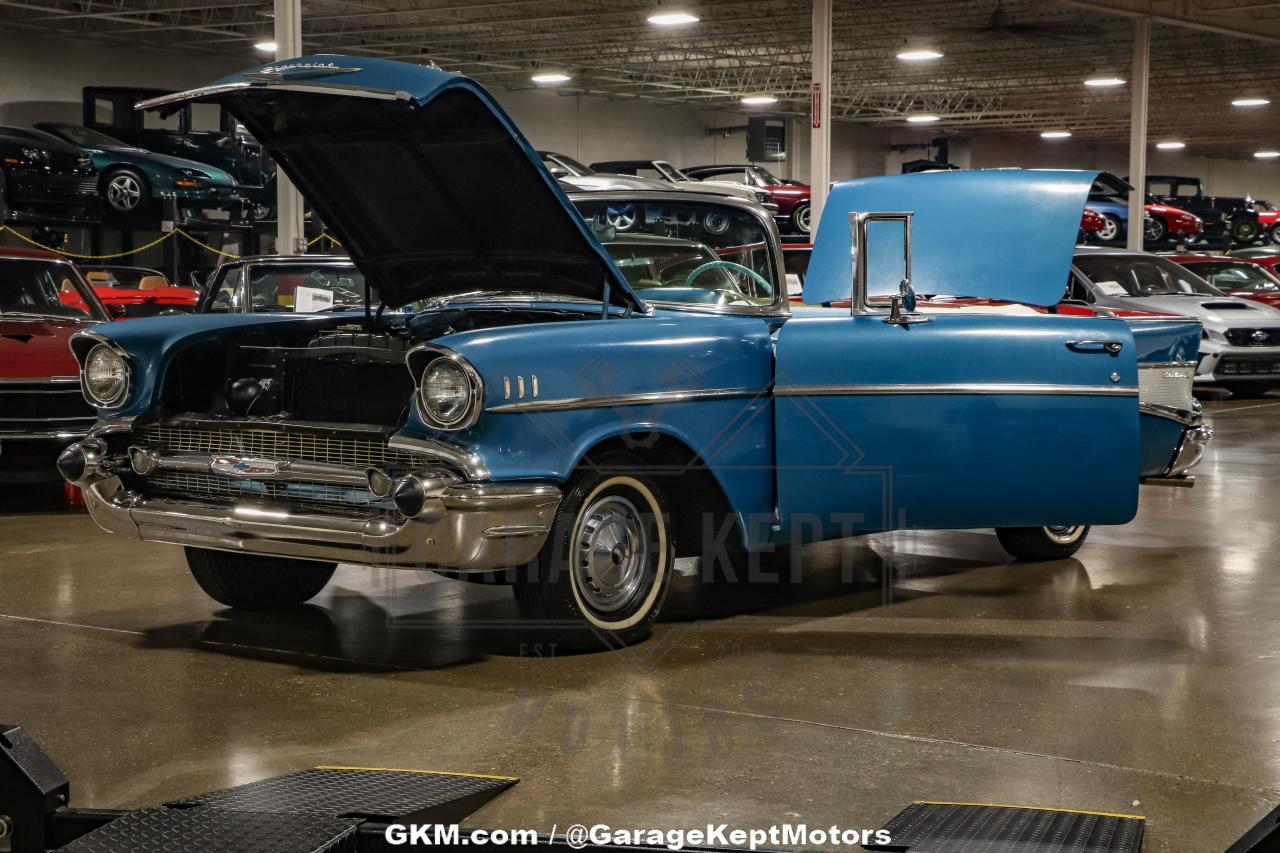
[[1240, 345]]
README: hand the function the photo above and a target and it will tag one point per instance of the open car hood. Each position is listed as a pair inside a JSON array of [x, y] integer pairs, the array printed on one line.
[[421, 175], [1005, 234]]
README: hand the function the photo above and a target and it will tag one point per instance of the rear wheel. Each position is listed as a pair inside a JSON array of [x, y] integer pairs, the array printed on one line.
[[801, 219], [253, 582], [1154, 230], [1052, 542], [1275, 233], [1245, 230], [603, 574], [125, 191]]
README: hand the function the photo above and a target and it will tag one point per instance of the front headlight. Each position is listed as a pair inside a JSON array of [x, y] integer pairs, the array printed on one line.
[[106, 376], [449, 394]]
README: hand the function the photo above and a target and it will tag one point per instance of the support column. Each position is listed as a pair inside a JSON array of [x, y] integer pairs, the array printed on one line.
[[289, 233], [1138, 131], [820, 116]]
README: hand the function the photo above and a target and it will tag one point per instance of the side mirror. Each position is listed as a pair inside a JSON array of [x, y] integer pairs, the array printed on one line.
[[902, 307]]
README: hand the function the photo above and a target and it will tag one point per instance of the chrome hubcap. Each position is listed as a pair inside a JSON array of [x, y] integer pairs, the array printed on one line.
[[1064, 534], [802, 219], [123, 192], [610, 553]]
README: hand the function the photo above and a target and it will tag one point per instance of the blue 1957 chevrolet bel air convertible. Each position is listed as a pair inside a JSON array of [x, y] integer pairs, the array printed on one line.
[[544, 393]]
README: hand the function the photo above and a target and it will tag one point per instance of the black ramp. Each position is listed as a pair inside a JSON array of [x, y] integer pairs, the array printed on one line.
[[974, 828], [162, 830], [372, 794]]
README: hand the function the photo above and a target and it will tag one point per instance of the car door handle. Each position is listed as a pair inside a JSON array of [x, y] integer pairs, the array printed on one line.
[[1110, 347]]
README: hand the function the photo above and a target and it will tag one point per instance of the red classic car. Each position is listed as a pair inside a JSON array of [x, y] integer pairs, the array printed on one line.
[[1268, 219], [43, 302], [1241, 277], [1090, 224], [791, 197], [139, 292]]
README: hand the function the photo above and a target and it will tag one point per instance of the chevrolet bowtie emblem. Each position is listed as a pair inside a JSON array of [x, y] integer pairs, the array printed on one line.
[[239, 466]]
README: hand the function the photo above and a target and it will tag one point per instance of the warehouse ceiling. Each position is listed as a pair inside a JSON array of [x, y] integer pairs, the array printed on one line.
[[1015, 66]]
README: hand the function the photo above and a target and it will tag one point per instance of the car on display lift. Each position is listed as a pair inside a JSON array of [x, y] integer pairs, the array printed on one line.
[[576, 176], [792, 197], [1263, 256], [661, 170], [43, 303], [45, 179], [1161, 224], [1240, 349], [550, 418], [1234, 276], [135, 182], [216, 140], [1226, 221]]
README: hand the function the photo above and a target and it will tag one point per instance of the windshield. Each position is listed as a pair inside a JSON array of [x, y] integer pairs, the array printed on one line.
[[288, 287], [128, 278], [1228, 276], [1141, 275], [567, 163], [766, 176], [663, 249], [47, 288], [86, 138]]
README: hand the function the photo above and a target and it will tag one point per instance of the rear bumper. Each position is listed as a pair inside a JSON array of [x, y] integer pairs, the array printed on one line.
[[475, 527]]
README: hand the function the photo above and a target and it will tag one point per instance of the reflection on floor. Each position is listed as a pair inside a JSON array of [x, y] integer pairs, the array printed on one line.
[[1140, 677]]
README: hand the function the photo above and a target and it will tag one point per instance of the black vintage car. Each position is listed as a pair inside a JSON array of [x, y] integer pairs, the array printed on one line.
[[1226, 219], [211, 136], [43, 179]]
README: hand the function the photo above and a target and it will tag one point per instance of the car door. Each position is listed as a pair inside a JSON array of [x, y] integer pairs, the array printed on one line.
[[952, 420]]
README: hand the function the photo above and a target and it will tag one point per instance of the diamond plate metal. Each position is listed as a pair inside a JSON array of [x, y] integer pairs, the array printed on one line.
[[951, 828], [162, 830], [376, 794]]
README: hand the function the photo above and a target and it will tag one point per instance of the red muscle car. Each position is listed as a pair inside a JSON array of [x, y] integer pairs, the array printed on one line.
[[139, 292], [1245, 278], [791, 197], [43, 302]]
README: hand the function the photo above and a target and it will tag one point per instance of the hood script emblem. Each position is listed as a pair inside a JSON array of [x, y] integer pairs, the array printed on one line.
[[239, 466]]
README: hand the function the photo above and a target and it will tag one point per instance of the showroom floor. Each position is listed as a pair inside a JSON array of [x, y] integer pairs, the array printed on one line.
[[1142, 677]]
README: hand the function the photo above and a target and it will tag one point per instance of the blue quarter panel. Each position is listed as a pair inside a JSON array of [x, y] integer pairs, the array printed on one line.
[[865, 462], [1163, 341], [1160, 438]]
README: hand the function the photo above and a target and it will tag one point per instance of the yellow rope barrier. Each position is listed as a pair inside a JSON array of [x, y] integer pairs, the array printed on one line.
[[83, 257]]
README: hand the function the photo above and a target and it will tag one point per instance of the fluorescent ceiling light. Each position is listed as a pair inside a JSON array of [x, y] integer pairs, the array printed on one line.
[[919, 55], [1102, 82], [1171, 145], [265, 46], [550, 77], [1055, 134], [758, 100], [923, 118], [672, 18], [1266, 155], [1250, 102]]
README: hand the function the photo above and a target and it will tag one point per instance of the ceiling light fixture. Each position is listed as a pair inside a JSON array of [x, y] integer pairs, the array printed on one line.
[[672, 18], [1055, 134], [923, 118], [1103, 81], [550, 77], [758, 100], [923, 54], [265, 46], [1266, 155], [1171, 145], [1250, 102]]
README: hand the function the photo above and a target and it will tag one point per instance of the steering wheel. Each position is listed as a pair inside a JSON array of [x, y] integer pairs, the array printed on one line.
[[730, 265]]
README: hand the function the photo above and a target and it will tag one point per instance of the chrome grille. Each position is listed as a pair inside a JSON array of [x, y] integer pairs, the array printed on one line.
[[43, 405], [349, 452], [1253, 337], [213, 487], [1167, 385]]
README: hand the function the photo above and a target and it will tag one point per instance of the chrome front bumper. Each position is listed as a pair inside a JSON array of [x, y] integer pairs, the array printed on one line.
[[476, 527]]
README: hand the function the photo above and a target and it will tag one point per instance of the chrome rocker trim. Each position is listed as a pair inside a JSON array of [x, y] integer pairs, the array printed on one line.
[[479, 527], [958, 388]]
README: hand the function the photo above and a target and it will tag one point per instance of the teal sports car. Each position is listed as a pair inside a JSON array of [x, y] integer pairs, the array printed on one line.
[[134, 182]]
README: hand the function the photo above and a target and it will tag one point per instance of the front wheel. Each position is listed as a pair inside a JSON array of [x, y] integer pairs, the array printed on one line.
[[603, 574], [1052, 542], [1275, 233], [1244, 231], [252, 582], [125, 191], [1111, 229], [1154, 230]]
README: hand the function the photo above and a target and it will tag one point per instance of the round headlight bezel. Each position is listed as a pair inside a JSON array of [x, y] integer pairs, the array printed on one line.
[[121, 391], [474, 390]]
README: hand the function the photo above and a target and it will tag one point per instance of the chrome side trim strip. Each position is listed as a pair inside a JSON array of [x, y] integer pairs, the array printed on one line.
[[38, 436], [39, 380], [996, 389], [610, 401]]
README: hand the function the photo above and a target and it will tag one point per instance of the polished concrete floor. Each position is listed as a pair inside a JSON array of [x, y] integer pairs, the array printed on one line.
[[1142, 676]]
